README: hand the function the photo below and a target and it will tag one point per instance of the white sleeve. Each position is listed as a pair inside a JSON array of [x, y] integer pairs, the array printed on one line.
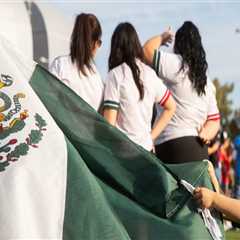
[[162, 93], [112, 92], [167, 65], [58, 69], [55, 68], [213, 112]]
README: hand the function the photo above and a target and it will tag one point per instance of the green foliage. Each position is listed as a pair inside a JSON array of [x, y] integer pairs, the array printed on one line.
[[35, 137], [5, 149], [40, 122], [3, 165], [224, 103], [235, 123], [20, 150]]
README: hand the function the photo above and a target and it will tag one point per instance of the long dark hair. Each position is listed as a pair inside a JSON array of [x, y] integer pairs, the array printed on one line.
[[86, 32], [188, 44], [125, 48]]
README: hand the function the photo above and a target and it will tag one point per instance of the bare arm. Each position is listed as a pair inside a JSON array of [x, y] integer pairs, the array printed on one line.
[[110, 115], [150, 46], [228, 206], [169, 109], [155, 42], [213, 177]]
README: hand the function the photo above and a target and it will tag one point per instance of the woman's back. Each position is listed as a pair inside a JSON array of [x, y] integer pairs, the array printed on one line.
[[196, 119], [132, 88], [192, 109], [89, 87], [77, 70], [134, 116]]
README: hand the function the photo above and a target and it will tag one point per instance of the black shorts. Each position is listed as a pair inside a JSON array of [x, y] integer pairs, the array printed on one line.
[[183, 149]]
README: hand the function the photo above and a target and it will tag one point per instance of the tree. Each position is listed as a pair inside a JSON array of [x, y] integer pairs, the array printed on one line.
[[224, 103], [235, 124]]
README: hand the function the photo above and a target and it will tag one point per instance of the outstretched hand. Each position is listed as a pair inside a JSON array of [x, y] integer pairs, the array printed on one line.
[[167, 37]]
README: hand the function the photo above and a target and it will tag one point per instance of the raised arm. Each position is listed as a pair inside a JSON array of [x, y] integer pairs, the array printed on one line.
[[155, 42]]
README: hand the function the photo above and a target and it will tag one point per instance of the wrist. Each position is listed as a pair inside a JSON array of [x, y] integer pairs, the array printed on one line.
[[214, 199]]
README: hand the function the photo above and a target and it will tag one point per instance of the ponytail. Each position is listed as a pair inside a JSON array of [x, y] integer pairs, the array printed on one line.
[[86, 32], [126, 48]]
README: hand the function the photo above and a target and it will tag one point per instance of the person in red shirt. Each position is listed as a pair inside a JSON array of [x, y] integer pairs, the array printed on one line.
[[225, 157]]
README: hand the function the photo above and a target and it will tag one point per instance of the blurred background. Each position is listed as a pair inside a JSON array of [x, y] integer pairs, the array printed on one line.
[[41, 30]]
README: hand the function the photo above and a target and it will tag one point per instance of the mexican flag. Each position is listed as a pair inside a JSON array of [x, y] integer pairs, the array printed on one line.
[[65, 173]]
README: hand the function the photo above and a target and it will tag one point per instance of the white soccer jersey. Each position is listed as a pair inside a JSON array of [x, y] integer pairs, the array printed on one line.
[[90, 88], [192, 110], [134, 115]]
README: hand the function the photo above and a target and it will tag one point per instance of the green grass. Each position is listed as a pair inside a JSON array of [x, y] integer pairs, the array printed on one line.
[[233, 235]]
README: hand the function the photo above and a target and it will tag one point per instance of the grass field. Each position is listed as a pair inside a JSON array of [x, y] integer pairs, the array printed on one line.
[[233, 235]]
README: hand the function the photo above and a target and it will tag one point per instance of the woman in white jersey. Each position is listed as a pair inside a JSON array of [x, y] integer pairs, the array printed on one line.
[[132, 88], [77, 70], [196, 120]]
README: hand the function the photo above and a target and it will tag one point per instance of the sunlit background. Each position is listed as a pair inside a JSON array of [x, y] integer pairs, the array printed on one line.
[[218, 22]]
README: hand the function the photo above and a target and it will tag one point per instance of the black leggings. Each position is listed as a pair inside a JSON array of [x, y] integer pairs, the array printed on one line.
[[183, 149]]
